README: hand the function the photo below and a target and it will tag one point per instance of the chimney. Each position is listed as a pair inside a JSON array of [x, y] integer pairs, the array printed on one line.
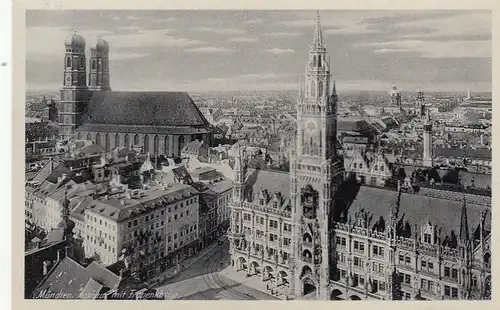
[[106, 197]]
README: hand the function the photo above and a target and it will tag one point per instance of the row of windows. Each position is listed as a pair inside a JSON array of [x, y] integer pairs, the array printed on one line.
[[94, 219], [377, 285]]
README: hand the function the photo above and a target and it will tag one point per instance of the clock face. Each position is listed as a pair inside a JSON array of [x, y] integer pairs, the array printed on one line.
[[311, 126], [68, 81]]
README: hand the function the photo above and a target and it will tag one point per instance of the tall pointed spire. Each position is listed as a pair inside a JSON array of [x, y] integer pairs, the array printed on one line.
[[318, 35], [464, 225]]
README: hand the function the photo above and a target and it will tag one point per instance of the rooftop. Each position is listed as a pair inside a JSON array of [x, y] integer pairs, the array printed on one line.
[[122, 209], [144, 108]]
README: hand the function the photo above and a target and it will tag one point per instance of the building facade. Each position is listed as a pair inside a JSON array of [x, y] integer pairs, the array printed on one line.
[[317, 233]]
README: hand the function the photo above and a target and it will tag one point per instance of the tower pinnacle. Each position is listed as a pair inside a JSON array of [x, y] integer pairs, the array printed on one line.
[[318, 36]]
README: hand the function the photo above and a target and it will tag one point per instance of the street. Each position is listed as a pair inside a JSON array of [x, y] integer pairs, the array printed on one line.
[[204, 281]]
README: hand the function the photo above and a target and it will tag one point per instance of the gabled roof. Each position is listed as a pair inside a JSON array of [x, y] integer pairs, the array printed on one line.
[[75, 281], [144, 108]]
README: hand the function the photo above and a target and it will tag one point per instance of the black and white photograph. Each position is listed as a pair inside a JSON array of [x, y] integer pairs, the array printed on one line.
[[279, 155]]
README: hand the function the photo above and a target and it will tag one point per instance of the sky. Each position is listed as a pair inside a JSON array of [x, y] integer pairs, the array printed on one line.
[[442, 50]]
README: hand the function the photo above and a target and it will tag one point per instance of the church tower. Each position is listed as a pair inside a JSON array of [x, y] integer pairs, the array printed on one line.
[[314, 174], [99, 66], [74, 93], [420, 103], [427, 156]]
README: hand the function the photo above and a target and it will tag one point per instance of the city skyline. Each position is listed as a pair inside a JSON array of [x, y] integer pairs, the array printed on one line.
[[262, 50]]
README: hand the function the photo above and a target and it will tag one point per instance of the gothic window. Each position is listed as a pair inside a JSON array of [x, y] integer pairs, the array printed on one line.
[[68, 62], [165, 146], [136, 139], [313, 88], [93, 64], [146, 144], [156, 143], [320, 88], [126, 141], [181, 144], [82, 62], [106, 146], [98, 138], [117, 140], [319, 61], [314, 61]]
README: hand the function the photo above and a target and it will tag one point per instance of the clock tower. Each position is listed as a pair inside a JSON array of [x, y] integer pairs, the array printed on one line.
[[74, 93], [315, 172]]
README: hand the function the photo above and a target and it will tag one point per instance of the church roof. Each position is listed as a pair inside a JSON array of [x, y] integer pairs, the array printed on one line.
[[144, 108]]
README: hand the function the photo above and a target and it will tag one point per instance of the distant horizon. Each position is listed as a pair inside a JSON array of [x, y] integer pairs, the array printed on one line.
[[440, 50], [265, 91]]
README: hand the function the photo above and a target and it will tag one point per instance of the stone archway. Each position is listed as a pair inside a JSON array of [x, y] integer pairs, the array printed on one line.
[[307, 238], [268, 273], [336, 294], [354, 297], [307, 256], [255, 268], [308, 286], [241, 264], [282, 278]]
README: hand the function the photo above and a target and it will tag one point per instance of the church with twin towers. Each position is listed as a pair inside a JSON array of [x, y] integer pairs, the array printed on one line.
[[317, 232], [155, 122]]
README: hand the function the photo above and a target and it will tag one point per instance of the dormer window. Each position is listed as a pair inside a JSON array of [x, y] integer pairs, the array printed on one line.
[[261, 201], [275, 204], [360, 166], [375, 167]]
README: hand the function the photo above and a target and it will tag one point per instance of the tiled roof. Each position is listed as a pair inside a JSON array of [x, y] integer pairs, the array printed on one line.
[[103, 275], [272, 181], [415, 209], [144, 108], [115, 210], [73, 280], [459, 152], [92, 289], [67, 277]]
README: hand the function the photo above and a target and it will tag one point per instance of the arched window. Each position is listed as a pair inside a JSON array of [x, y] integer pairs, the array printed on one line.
[[82, 62], [156, 143], [313, 88], [89, 136], [106, 143], [319, 61], [117, 140], [146, 144], [320, 88], [68, 62], [126, 141], [98, 138], [94, 64], [165, 147], [136, 139], [181, 144]]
